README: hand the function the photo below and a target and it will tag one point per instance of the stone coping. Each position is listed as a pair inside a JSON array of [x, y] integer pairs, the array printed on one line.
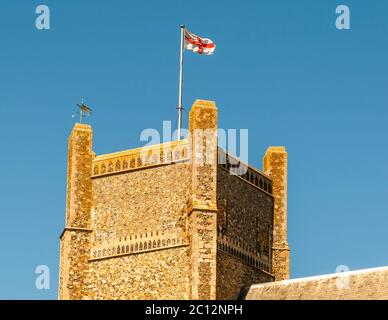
[[364, 284], [140, 158], [129, 152]]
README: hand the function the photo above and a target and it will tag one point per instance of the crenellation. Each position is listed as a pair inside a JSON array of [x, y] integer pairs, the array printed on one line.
[[248, 173]]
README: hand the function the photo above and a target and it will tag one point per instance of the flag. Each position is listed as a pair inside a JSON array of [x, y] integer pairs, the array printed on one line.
[[197, 44]]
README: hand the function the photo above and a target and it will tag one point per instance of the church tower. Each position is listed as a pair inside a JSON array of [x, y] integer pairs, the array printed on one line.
[[172, 220]]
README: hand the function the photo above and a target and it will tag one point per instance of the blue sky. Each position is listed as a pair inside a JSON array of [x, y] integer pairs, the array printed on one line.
[[281, 70]]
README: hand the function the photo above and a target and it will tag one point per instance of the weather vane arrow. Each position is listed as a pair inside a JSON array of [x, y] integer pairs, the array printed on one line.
[[84, 111]]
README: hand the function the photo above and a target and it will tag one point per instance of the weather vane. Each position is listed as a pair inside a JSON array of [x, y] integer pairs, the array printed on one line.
[[84, 111]]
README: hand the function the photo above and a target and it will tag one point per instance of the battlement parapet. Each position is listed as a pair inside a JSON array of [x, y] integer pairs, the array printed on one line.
[[244, 171], [140, 158]]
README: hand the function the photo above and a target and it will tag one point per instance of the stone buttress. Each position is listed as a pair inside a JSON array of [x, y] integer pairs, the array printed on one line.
[[75, 237], [275, 165], [202, 214]]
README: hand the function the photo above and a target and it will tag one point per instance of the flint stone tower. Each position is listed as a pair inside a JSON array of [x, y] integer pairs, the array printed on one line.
[[170, 221]]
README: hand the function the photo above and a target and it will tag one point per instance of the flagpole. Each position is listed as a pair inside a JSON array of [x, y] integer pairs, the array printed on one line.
[[182, 27]]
